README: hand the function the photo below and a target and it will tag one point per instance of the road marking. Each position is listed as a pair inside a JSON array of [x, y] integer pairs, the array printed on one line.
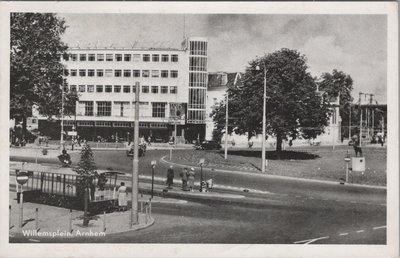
[[343, 234], [375, 228], [33, 240], [360, 231], [309, 241]]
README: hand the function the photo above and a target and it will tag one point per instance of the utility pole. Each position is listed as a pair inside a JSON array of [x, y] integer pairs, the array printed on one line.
[[359, 102], [62, 116], [226, 126], [135, 167]]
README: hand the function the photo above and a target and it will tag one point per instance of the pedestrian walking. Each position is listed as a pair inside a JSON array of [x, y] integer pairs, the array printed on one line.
[[357, 145], [184, 177], [191, 176], [122, 201], [170, 177]]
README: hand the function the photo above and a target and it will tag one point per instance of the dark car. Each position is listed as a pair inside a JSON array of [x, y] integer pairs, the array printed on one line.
[[208, 145]]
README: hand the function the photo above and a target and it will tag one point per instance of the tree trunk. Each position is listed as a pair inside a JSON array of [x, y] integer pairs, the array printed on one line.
[[278, 142], [24, 127], [85, 208]]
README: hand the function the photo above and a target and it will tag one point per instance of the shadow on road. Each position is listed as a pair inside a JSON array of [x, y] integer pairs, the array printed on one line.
[[274, 155]]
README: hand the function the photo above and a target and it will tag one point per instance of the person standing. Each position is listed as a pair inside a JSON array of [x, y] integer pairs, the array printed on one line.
[[184, 177], [191, 176], [170, 177], [122, 201]]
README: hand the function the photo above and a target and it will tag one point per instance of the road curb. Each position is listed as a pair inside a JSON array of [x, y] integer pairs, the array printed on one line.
[[274, 176]]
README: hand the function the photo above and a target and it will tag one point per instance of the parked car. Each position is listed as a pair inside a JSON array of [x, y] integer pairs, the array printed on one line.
[[208, 145], [142, 150]]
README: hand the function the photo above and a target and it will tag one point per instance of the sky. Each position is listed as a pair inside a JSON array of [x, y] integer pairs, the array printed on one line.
[[354, 44]]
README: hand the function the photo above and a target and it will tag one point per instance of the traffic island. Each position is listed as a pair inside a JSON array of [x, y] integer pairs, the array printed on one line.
[[40, 220]]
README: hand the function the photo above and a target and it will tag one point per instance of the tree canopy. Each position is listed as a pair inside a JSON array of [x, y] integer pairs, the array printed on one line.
[[36, 72], [294, 107], [335, 83]]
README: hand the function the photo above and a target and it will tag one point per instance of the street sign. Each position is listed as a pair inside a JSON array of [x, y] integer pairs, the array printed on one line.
[[22, 178], [202, 162], [153, 162], [73, 133]]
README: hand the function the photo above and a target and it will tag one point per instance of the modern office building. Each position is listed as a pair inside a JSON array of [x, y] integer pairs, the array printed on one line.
[[172, 87]]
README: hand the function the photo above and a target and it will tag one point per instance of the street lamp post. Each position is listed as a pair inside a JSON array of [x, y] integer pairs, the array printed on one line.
[[153, 165], [264, 119], [226, 126], [62, 117], [201, 174], [135, 165]]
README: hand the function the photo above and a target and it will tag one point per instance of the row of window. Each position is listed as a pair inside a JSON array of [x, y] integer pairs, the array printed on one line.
[[122, 57], [124, 89], [121, 73], [104, 108]]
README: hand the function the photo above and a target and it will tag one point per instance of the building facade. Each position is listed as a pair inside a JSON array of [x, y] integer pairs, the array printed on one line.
[[171, 83]]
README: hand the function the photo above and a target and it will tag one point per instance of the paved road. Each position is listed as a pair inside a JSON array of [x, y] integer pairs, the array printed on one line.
[[293, 212]]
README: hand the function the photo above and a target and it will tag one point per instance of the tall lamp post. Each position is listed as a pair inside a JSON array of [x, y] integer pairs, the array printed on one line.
[[62, 117], [201, 174], [264, 118], [226, 126], [135, 165]]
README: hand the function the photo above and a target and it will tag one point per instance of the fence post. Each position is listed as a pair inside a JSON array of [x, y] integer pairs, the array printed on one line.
[[70, 221], [150, 210], [104, 221], [37, 219]]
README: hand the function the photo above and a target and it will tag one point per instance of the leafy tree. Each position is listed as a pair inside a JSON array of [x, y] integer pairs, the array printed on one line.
[[294, 107], [36, 72], [335, 83], [86, 170]]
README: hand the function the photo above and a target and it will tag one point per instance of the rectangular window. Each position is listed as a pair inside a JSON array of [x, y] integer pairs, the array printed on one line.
[[118, 57], [154, 89], [127, 57], [164, 89], [156, 58], [164, 58], [117, 73], [66, 57], [145, 89], [90, 72], [82, 72], [91, 57], [73, 88], [99, 88], [158, 109], [145, 73], [109, 57], [90, 88], [104, 108], [173, 89], [82, 57], [174, 58], [88, 107], [100, 57], [127, 89], [108, 88], [174, 74], [123, 108], [155, 73], [164, 73], [127, 73], [74, 57], [117, 88], [136, 73], [73, 72], [136, 58], [146, 58], [100, 72], [81, 88], [66, 73], [108, 73], [133, 88]]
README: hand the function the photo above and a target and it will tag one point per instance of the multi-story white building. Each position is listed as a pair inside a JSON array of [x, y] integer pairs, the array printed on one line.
[[172, 89]]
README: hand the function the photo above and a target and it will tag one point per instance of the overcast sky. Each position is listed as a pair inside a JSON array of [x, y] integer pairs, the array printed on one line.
[[355, 44]]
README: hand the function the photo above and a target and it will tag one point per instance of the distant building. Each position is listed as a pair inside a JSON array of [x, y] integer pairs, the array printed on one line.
[[173, 89]]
